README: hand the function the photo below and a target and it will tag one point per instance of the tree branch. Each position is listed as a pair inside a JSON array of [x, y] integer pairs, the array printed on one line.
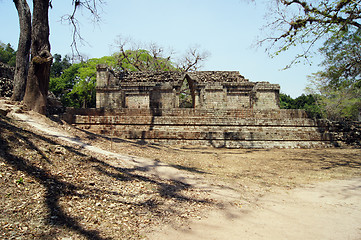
[[92, 6]]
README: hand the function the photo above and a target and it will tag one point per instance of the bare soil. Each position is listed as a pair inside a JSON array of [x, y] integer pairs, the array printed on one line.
[[54, 189]]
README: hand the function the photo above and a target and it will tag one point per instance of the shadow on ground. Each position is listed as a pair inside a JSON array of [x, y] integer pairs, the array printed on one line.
[[102, 182]]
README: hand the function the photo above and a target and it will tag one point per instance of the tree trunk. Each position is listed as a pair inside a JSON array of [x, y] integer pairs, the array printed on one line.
[[39, 72], [22, 54]]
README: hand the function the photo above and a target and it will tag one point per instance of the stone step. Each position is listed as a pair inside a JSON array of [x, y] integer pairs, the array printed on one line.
[[206, 133], [231, 129], [191, 112], [187, 121]]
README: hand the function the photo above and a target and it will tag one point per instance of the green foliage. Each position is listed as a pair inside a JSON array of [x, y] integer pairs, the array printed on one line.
[[337, 103], [337, 24], [7, 54], [61, 86], [286, 102], [75, 86], [59, 65], [339, 84], [83, 93], [306, 102], [304, 23], [342, 59], [142, 60], [342, 104]]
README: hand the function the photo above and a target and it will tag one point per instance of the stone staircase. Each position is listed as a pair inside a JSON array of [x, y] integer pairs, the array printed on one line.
[[218, 128]]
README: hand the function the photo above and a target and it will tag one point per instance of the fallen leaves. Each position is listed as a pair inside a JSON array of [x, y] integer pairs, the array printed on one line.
[[50, 189]]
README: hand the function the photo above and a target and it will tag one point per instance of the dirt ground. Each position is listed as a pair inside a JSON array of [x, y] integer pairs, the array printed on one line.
[[54, 186]]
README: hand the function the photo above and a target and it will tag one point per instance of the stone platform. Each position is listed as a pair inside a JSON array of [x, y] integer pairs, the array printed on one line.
[[245, 128]]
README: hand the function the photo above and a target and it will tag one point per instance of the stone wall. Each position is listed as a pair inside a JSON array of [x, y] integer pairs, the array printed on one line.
[[207, 90], [245, 128], [6, 80], [265, 96], [225, 110]]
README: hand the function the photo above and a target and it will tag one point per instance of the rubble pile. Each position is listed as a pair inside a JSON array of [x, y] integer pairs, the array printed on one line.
[[6, 80]]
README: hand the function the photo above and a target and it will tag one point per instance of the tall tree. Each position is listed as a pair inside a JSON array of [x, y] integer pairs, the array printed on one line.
[[339, 84], [337, 24], [22, 54], [38, 75], [342, 63], [39, 72]]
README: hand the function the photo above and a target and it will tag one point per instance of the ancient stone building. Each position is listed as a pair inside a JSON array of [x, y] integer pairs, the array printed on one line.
[[211, 108], [169, 90]]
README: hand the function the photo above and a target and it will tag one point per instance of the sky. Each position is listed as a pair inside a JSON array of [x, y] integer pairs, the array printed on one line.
[[228, 30]]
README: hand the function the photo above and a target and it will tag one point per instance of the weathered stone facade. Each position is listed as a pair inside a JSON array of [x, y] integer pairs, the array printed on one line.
[[218, 109], [164, 90], [213, 108], [230, 128]]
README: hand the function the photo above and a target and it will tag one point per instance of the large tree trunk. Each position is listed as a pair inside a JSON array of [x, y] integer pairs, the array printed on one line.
[[39, 72], [22, 54]]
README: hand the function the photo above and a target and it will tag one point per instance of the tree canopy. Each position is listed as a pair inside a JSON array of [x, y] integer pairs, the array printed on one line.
[[338, 84], [75, 86], [142, 60], [7, 54], [134, 56], [306, 102], [59, 65], [342, 63], [305, 22]]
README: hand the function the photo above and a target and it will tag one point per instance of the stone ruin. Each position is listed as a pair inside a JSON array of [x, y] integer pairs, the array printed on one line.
[[211, 108], [171, 90], [207, 108]]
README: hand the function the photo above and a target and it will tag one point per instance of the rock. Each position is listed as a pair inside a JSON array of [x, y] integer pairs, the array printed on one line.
[[59, 150]]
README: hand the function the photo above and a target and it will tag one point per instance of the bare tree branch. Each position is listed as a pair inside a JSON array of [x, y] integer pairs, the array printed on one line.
[[192, 59], [305, 22], [93, 7]]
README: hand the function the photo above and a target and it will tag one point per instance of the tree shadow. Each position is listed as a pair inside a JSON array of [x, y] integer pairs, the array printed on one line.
[[140, 143], [188, 169], [57, 187]]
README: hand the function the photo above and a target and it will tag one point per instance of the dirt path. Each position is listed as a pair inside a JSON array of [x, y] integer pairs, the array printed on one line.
[[330, 210]]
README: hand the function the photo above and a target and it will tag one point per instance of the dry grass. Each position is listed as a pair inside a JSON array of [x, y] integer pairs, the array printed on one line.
[[253, 170], [273, 167]]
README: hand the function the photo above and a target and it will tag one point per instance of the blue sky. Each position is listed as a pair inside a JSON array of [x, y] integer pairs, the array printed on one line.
[[226, 29]]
